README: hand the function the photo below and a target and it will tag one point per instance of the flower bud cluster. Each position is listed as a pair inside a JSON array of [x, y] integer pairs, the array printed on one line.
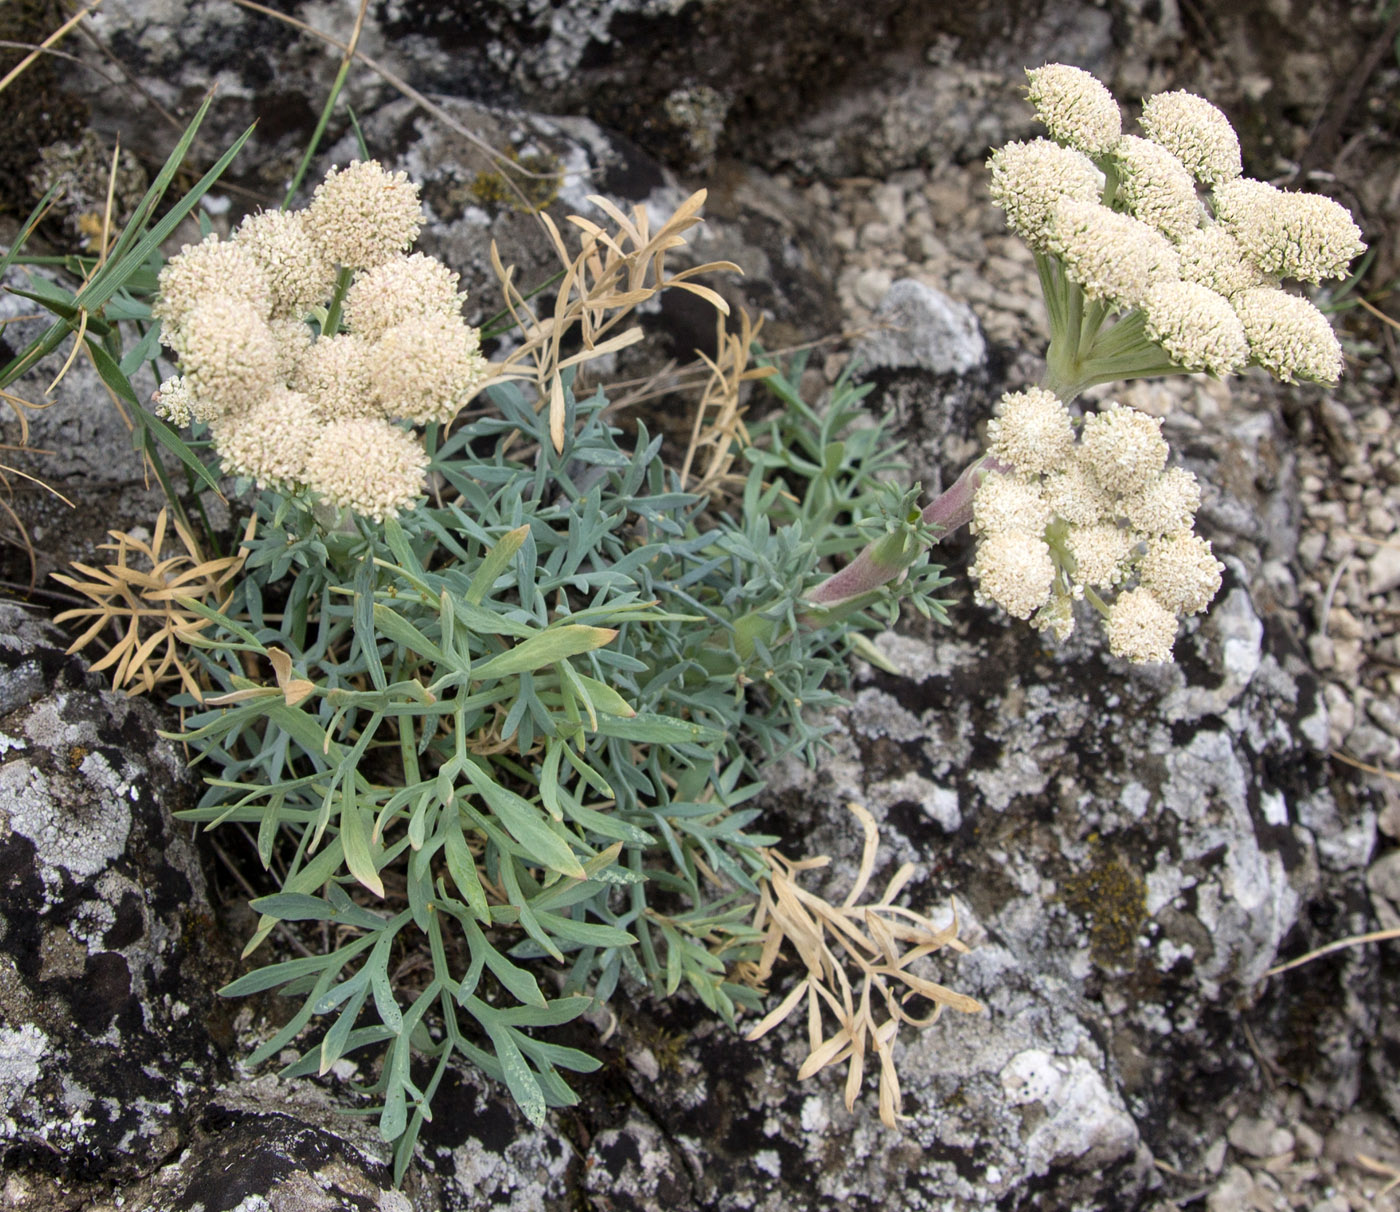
[[293, 406], [1101, 518], [1166, 224]]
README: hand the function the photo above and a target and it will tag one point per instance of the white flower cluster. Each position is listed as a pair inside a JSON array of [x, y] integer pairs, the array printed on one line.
[[1092, 518], [289, 405], [1123, 215]]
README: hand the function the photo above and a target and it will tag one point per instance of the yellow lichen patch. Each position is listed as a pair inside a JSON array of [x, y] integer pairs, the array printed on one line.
[[1112, 899], [529, 189]]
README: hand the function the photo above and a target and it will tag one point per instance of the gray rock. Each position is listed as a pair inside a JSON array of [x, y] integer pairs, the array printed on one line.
[[1257, 1137], [922, 329], [106, 954], [1383, 883], [715, 79], [1383, 570]]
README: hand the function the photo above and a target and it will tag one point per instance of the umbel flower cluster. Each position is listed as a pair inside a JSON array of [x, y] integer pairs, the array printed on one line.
[[1156, 256], [290, 399], [1101, 519], [1163, 231]]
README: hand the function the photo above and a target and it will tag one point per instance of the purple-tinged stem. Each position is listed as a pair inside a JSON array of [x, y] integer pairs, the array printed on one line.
[[888, 557]]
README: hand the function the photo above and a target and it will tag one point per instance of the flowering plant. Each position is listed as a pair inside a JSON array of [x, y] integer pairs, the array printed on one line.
[[1155, 257], [494, 685]]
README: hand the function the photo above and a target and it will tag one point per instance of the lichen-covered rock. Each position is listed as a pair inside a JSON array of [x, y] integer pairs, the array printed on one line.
[[249, 1156], [104, 947], [923, 329], [767, 228], [711, 76]]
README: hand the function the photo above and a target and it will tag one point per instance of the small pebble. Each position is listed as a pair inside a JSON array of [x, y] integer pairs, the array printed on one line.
[[1259, 1137]]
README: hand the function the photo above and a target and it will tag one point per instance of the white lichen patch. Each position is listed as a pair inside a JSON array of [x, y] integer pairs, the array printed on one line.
[[38, 810], [1083, 1120], [21, 1050]]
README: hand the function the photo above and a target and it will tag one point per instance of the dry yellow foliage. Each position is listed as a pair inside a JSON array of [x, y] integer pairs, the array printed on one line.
[[857, 956], [719, 417], [609, 277], [139, 592]]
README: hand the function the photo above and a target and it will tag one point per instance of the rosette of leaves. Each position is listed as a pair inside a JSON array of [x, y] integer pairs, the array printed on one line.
[[505, 748]]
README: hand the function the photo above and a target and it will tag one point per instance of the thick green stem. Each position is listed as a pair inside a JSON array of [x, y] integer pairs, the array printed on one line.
[[342, 284]]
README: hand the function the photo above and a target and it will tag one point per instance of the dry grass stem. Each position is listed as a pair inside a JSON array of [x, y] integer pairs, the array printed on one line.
[[144, 604], [56, 36], [1374, 1165], [719, 417], [1355, 940], [21, 407], [856, 956], [610, 276], [1348, 760], [1378, 313]]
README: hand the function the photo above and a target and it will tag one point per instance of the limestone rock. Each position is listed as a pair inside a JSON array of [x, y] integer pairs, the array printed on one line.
[[922, 328], [105, 934]]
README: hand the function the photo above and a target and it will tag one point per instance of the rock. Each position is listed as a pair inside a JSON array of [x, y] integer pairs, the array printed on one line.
[[1233, 1191], [265, 1158], [1083, 1123], [637, 1167], [1383, 570], [1383, 882], [922, 329], [107, 945], [78, 445], [1259, 1138], [1308, 1140]]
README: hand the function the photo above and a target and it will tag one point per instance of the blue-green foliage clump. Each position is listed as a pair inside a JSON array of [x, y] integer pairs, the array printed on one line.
[[520, 732]]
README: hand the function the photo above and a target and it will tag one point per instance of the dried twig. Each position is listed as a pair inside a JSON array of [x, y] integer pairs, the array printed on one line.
[[610, 276], [63, 29], [719, 422], [1375, 1166]]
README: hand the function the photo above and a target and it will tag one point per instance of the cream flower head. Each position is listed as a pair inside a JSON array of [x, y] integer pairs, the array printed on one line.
[[426, 367], [176, 403], [1155, 187], [1289, 235], [398, 290], [1056, 616], [362, 215], [1099, 552], [334, 373], [1181, 572], [300, 276], [1140, 628], [1197, 327], [1212, 257], [1014, 569], [1077, 110], [367, 465], [1168, 503], [1196, 133], [1004, 502], [199, 271], [1032, 431], [1123, 448], [227, 353], [1029, 179], [1075, 495], [270, 440], [1112, 257], [1288, 336]]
